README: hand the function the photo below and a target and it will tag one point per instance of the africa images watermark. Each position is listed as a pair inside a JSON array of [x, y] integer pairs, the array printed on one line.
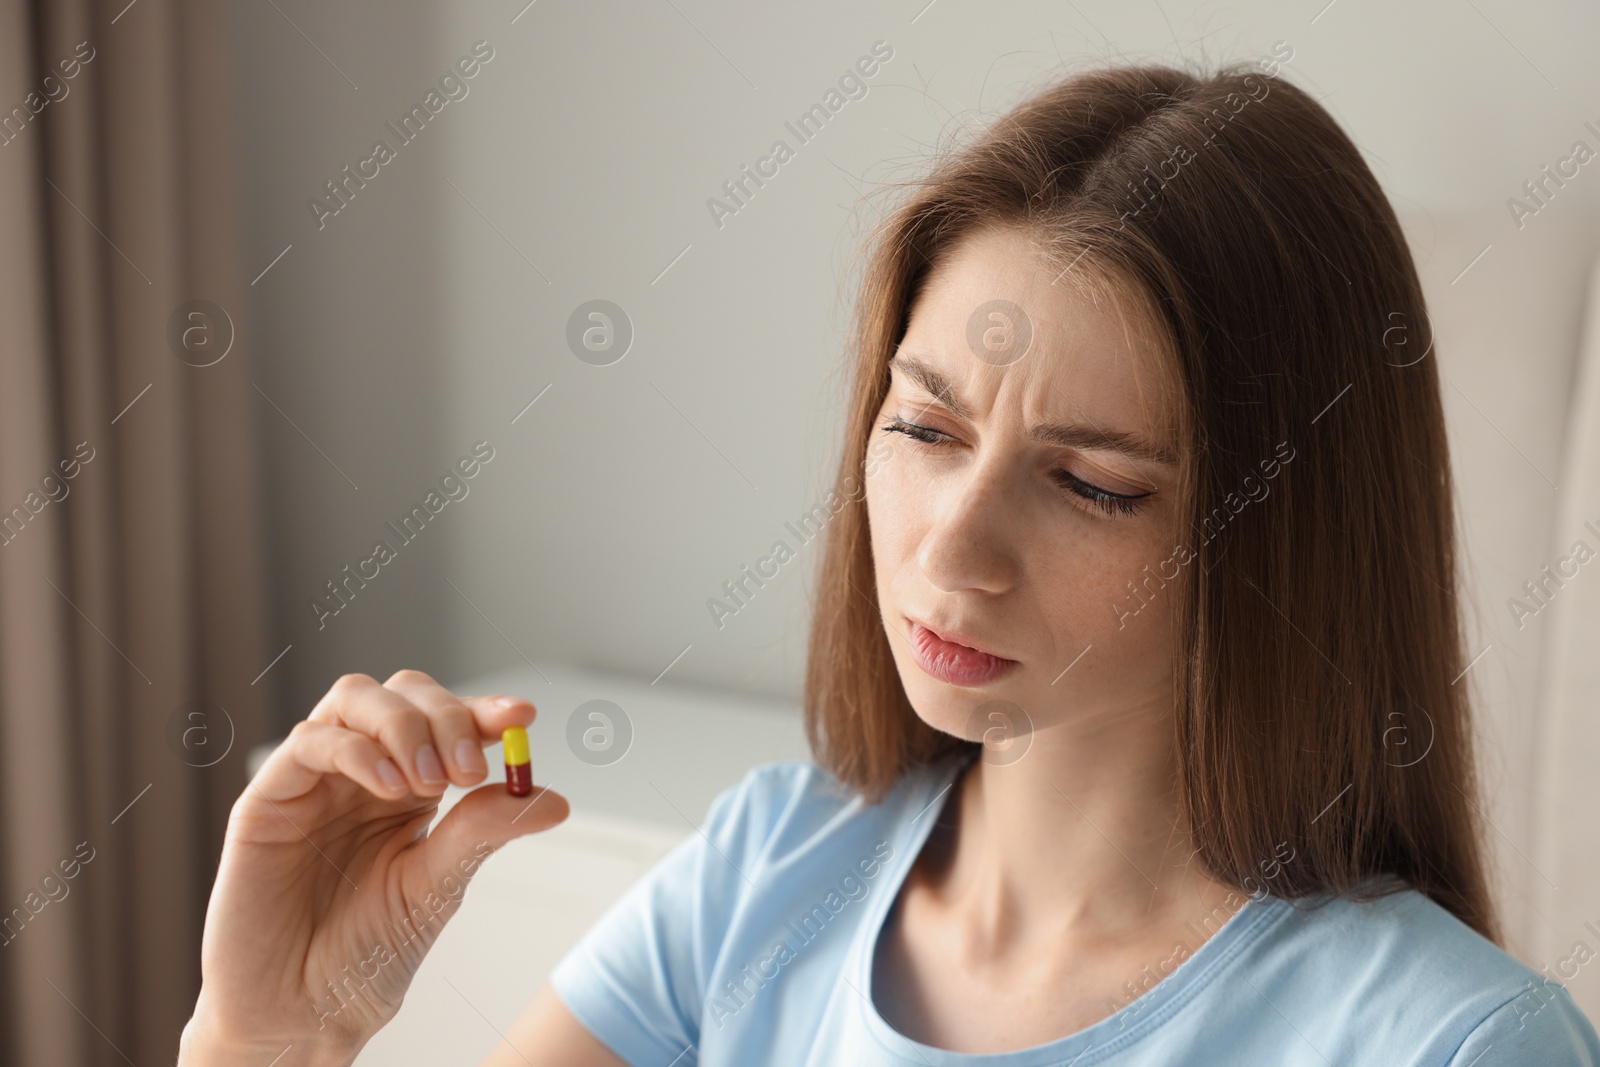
[[452, 84], [806, 528], [851, 887], [1551, 579], [53, 889], [1532, 1001], [52, 90], [54, 489], [452, 887], [1213, 921], [1141, 595], [1542, 189], [451, 488], [852, 85], [1144, 193]]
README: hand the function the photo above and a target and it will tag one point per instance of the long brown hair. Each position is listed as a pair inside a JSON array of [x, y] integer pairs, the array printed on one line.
[[1318, 644]]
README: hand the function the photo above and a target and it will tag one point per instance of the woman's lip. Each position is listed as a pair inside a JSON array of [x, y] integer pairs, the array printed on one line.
[[952, 662], [954, 637]]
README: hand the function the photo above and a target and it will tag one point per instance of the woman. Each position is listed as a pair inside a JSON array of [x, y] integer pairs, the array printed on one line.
[[1132, 682]]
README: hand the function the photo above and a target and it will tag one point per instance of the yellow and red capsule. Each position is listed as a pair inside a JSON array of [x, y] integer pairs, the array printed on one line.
[[519, 767]]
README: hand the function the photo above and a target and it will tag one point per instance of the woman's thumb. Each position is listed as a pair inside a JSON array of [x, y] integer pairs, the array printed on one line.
[[487, 818]]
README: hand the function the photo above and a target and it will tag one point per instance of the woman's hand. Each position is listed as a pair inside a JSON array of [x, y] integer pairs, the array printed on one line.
[[330, 889]]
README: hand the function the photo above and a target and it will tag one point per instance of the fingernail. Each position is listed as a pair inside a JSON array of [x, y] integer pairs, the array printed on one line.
[[469, 757], [389, 774], [428, 767], [508, 702]]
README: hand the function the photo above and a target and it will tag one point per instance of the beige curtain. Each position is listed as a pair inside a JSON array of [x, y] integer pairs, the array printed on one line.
[[130, 550]]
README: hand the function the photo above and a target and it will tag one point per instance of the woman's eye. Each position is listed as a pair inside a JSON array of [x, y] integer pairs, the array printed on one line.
[[912, 430], [1109, 502], [1103, 499]]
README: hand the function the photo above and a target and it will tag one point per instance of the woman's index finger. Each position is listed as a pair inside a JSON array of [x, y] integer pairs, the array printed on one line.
[[494, 713]]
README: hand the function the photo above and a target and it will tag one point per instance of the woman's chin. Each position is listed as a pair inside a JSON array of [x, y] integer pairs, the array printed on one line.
[[987, 718]]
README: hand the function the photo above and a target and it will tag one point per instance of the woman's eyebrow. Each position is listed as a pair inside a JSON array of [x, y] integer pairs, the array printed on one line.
[[932, 382], [1066, 435]]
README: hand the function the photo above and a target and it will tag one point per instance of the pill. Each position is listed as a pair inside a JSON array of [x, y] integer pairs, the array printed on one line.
[[519, 769]]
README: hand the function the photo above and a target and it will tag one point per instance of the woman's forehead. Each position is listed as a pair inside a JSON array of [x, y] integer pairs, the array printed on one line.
[[1081, 298], [994, 319]]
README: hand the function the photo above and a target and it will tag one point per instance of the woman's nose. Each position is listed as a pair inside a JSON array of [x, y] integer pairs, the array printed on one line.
[[969, 541]]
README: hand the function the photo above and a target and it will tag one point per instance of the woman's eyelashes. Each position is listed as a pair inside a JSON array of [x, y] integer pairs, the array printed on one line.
[[1107, 501], [1110, 503]]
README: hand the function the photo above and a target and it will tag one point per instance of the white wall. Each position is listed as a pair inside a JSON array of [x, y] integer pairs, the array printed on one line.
[[416, 322]]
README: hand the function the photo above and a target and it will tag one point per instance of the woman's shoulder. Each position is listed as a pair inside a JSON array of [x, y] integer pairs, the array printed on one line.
[[787, 847], [1402, 959], [1403, 935]]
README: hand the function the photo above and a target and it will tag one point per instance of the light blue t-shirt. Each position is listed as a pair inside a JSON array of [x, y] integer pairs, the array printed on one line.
[[750, 945]]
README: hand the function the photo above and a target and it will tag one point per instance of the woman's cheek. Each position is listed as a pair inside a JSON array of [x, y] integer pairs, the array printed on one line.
[[884, 519], [891, 490], [1109, 594]]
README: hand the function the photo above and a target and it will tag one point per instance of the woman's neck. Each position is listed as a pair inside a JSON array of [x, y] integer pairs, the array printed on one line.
[[1080, 841]]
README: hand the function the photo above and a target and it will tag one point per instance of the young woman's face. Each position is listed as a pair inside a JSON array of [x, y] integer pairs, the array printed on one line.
[[1021, 539]]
